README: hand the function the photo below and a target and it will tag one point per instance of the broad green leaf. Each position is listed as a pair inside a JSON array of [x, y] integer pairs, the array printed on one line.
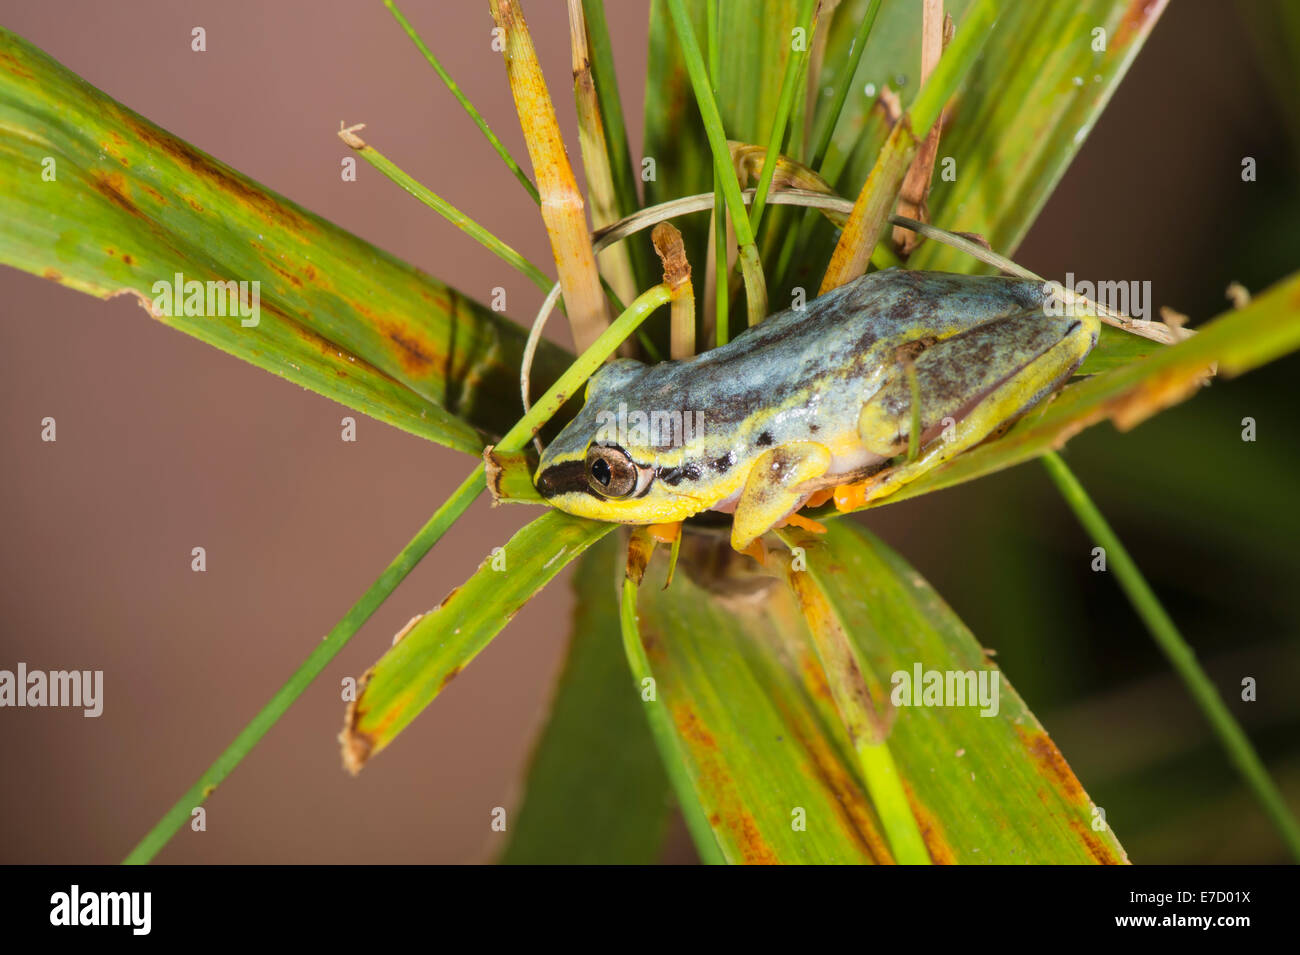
[[1021, 119], [987, 787], [730, 657], [1043, 79], [1116, 348], [443, 641], [596, 792], [1238, 341], [132, 205]]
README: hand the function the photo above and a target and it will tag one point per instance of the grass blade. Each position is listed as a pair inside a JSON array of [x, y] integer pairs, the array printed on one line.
[[461, 98], [1181, 656], [794, 62], [444, 208], [755, 286], [321, 655], [408, 677], [844, 84]]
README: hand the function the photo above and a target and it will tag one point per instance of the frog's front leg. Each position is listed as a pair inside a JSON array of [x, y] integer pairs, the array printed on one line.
[[771, 489], [969, 385]]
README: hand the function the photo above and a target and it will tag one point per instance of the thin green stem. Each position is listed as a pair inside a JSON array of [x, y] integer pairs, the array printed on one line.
[[479, 121], [453, 215], [583, 367], [721, 284], [711, 40], [320, 656], [953, 66], [752, 268], [721, 274], [394, 574], [776, 139], [1180, 655], [665, 737], [890, 800], [845, 77]]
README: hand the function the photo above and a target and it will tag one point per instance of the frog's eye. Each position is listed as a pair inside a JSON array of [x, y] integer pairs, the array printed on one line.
[[610, 471]]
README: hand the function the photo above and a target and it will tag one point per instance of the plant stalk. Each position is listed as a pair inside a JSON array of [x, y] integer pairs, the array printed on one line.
[[1180, 655]]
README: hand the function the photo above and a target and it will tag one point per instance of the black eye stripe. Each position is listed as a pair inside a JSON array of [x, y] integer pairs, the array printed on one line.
[[566, 478]]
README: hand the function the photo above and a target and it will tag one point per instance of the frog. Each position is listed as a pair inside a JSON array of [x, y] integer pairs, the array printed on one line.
[[815, 402]]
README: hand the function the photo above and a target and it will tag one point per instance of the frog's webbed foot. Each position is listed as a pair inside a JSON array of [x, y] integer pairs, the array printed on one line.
[[770, 491], [970, 386]]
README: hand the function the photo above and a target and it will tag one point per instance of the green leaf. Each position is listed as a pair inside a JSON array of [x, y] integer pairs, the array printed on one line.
[[132, 205], [596, 792], [1115, 349], [736, 680], [1014, 126], [986, 789], [443, 641], [1020, 119]]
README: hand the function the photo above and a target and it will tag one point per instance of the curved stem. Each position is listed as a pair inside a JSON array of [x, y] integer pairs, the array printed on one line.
[[1178, 652]]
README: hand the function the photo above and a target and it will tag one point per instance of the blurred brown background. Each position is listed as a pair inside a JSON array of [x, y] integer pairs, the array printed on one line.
[[165, 444]]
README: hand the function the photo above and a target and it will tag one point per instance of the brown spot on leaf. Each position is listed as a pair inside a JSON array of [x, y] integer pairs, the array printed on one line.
[[284, 273], [54, 275], [112, 186], [736, 823], [941, 853], [1051, 764], [1097, 848], [12, 65], [857, 821], [416, 356], [219, 176]]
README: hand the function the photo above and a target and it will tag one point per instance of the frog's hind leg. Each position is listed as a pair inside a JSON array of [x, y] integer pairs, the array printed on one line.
[[970, 385], [771, 489]]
